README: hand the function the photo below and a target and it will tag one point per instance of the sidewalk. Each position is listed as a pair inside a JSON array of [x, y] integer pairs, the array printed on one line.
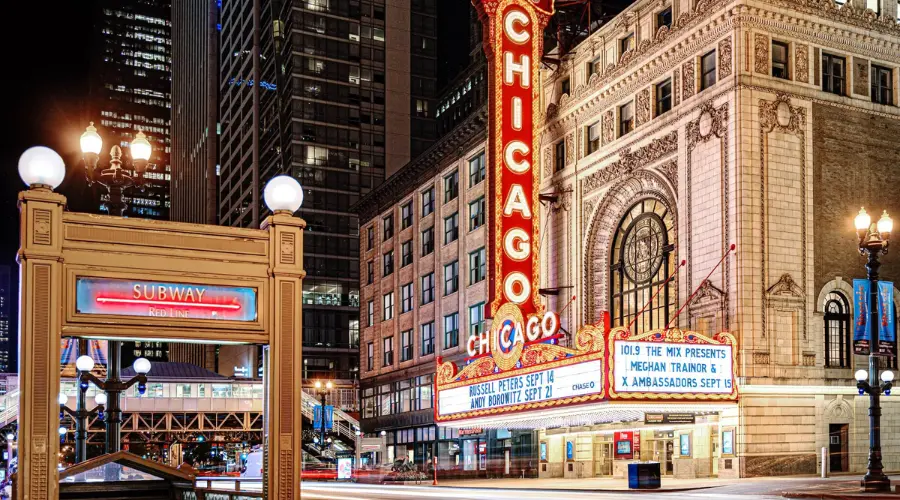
[[586, 484], [842, 488]]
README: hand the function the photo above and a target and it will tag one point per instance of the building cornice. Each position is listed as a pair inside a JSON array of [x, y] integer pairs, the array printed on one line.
[[425, 166]]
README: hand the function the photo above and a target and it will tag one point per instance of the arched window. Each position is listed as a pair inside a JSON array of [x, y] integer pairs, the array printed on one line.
[[641, 262], [837, 331]]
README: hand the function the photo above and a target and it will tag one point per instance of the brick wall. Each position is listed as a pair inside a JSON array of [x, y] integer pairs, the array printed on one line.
[[856, 160]]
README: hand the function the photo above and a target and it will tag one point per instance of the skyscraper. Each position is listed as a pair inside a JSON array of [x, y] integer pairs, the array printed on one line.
[[130, 91], [345, 97], [195, 111], [6, 311]]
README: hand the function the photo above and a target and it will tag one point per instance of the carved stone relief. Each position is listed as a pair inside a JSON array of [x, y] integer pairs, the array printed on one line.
[[690, 83], [628, 162], [607, 132], [801, 62], [643, 107], [676, 88], [761, 54], [860, 76], [570, 148], [724, 58]]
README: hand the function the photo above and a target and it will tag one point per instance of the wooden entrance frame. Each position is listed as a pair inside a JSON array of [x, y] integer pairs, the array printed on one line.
[[57, 246]]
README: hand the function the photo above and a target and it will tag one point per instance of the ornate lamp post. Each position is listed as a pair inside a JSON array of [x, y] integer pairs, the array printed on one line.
[[115, 178], [873, 242], [113, 386], [322, 390], [80, 416]]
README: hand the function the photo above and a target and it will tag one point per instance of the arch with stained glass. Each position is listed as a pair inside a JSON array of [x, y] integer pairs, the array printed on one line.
[[642, 259]]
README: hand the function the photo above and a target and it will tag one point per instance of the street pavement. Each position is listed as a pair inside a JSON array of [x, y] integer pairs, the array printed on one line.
[[743, 489]]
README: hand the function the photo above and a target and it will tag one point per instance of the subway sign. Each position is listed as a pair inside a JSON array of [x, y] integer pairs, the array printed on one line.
[[154, 299]]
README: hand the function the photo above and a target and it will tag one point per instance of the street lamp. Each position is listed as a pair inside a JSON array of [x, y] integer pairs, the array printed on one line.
[[80, 416], [283, 194], [322, 389], [115, 178], [873, 242], [113, 386], [41, 167]]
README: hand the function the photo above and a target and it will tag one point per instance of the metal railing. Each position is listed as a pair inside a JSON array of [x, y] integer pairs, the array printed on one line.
[[344, 424]]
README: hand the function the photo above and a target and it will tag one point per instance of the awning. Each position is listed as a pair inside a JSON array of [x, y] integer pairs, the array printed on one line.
[[589, 414]]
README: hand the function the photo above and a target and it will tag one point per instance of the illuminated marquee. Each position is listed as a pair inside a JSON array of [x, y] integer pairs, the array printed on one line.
[[119, 297], [671, 364]]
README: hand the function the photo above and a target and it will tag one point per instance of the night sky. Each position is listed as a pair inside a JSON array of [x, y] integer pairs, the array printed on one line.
[[47, 56]]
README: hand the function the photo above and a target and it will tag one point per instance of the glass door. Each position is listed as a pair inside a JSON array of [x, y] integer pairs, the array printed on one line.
[[603, 459]]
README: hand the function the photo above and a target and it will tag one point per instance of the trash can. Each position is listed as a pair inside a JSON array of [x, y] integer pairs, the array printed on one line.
[[644, 476]]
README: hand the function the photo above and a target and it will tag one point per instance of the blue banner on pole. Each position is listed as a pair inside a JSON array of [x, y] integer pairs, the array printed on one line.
[[317, 417], [862, 333], [887, 337]]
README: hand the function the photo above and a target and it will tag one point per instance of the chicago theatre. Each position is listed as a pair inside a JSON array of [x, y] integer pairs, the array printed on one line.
[[639, 249]]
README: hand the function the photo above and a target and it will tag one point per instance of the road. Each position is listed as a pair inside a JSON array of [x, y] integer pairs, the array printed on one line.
[[345, 491]]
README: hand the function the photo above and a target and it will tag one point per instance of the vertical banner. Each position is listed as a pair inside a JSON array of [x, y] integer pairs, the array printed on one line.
[[887, 332], [862, 333], [513, 43]]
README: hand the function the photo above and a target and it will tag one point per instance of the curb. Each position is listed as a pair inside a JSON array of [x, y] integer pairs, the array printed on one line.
[[593, 490], [843, 496]]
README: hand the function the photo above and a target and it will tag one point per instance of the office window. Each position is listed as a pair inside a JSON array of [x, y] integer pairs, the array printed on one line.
[[593, 138], [664, 18], [626, 118], [406, 253], [477, 266], [780, 60], [428, 288], [833, 74], [388, 227], [476, 169], [451, 228], [370, 237], [370, 272], [882, 85], [428, 241], [476, 319], [476, 214], [406, 215], [388, 263], [451, 186], [565, 86], [626, 44], [663, 97], [387, 302], [406, 345], [559, 156], [451, 330], [594, 66], [427, 339], [427, 201], [388, 344], [708, 70], [406, 298], [370, 351], [451, 277]]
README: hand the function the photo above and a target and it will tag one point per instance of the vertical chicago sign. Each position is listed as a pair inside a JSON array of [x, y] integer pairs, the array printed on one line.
[[513, 42]]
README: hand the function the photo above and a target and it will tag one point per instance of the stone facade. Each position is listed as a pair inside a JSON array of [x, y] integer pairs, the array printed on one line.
[[776, 166]]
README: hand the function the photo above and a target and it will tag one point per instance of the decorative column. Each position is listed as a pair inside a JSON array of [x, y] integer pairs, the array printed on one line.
[[284, 364], [41, 304]]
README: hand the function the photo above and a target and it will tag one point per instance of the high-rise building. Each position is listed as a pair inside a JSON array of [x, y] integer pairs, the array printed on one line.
[[6, 311], [195, 111], [345, 97], [130, 90]]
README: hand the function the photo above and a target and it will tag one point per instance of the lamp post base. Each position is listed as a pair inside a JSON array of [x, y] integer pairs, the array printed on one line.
[[876, 483]]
